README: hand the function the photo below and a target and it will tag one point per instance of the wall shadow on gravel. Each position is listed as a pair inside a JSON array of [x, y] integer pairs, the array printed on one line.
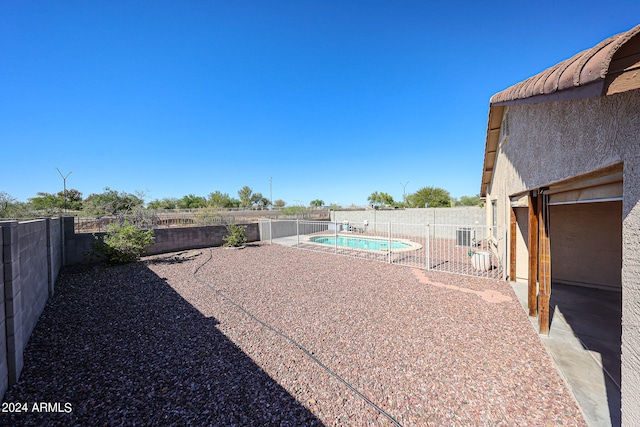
[[122, 347]]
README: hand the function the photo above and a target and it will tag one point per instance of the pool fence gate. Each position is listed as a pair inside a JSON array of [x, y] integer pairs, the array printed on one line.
[[474, 250]]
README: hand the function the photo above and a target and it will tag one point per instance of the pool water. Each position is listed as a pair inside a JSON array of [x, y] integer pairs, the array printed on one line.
[[360, 243]]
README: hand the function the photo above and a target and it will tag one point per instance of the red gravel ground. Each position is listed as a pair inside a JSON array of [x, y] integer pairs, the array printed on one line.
[[165, 342]]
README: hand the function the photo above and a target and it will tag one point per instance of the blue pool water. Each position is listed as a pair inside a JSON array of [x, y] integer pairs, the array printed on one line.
[[360, 243]]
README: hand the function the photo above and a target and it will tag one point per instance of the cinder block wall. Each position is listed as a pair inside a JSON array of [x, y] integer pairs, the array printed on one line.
[[79, 247], [467, 215], [33, 287], [444, 217], [32, 254], [178, 239], [4, 369], [31, 261], [275, 229], [444, 223], [55, 251]]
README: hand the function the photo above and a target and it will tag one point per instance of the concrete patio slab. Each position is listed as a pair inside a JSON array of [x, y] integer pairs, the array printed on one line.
[[584, 343]]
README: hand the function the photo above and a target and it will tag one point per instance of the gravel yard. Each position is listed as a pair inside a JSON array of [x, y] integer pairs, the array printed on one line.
[[165, 342]]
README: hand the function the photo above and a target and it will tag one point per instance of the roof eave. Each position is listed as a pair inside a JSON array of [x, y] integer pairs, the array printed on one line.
[[594, 72], [591, 90], [491, 147]]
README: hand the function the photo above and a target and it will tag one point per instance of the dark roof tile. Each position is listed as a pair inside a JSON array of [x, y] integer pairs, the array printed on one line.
[[587, 67]]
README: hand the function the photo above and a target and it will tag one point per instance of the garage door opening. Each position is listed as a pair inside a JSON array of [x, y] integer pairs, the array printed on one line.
[[575, 229], [586, 244]]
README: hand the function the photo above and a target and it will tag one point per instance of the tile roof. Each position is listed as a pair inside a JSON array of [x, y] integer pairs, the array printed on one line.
[[612, 66], [584, 73]]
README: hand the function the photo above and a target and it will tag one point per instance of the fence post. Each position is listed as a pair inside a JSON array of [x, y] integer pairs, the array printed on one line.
[[428, 247], [298, 231], [335, 240], [50, 276], [270, 232], [389, 240], [504, 252]]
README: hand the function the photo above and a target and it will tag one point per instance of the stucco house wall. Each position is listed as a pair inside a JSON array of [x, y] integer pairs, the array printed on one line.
[[550, 142]]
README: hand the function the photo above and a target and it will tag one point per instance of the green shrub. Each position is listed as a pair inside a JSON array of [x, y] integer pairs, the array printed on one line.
[[293, 210], [208, 216], [237, 235], [124, 242]]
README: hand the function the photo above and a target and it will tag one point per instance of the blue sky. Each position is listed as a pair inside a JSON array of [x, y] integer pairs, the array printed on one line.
[[331, 99]]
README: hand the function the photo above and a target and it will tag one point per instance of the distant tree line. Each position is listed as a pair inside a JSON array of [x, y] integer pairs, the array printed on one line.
[[112, 202], [431, 197], [246, 199]]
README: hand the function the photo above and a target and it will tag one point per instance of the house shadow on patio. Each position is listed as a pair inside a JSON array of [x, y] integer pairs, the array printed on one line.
[[121, 347], [585, 341]]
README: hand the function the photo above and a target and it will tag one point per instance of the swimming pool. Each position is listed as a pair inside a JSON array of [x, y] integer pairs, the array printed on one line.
[[367, 243]]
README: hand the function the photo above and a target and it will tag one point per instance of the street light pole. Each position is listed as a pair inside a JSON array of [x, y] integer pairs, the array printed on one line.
[[64, 183], [404, 191]]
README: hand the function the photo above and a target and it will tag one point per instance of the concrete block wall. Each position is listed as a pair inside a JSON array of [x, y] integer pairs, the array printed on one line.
[[12, 299], [177, 239], [4, 368], [31, 256], [33, 287], [31, 261], [79, 247], [275, 229], [444, 222], [467, 215], [55, 253]]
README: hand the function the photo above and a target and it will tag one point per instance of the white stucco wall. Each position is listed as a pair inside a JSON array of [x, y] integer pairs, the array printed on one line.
[[552, 142]]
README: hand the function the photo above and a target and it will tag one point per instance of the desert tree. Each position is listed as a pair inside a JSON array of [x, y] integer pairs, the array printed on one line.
[[111, 202], [380, 199], [432, 197], [165, 203], [191, 201], [246, 196]]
